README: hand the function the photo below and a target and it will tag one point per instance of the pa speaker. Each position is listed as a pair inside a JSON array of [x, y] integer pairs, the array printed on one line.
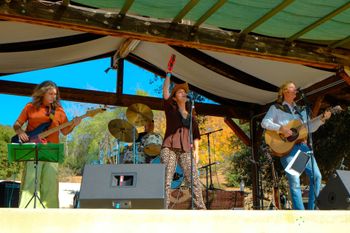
[[9, 193], [123, 186], [336, 193]]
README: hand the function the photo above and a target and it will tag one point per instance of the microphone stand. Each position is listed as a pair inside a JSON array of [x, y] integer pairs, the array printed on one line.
[[310, 144], [191, 152], [206, 181], [211, 186]]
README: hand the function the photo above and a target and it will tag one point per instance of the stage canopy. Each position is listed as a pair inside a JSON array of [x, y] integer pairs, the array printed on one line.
[[234, 52]]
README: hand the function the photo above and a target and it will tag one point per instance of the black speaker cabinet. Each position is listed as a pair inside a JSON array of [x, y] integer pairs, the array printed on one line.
[[123, 186], [9, 193], [336, 193]]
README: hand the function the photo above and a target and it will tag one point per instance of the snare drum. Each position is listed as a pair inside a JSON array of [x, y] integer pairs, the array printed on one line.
[[129, 157], [152, 143]]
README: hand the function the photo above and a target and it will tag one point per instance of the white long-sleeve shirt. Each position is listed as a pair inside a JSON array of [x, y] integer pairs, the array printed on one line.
[[276, 117]]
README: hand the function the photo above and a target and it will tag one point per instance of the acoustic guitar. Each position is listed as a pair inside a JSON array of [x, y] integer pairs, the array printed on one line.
[[39, 133], [281, 145]]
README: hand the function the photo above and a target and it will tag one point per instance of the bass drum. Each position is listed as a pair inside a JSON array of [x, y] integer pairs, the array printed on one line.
[[178, 175], [152, 143]]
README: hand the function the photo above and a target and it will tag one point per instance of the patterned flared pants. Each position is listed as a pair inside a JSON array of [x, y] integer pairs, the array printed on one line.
[[170, 158]]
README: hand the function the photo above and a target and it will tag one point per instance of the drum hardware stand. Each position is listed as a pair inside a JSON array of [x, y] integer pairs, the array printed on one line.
[[134, 151], [117, 149]]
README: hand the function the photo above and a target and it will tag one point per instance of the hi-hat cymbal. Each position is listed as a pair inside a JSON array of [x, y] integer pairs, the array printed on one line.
[[139, 114], [122, 130]]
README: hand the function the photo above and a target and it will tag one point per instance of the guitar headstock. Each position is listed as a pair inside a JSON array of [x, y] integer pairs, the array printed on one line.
[[93, 112]]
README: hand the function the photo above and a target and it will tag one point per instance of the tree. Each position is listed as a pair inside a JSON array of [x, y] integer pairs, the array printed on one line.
[[82, 146], [7, 170], [331, 144]]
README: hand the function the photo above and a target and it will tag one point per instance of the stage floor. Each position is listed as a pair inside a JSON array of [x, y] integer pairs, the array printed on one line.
[[14, 220]]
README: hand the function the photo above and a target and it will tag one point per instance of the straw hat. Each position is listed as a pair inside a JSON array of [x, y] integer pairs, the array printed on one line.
[[179, 86]]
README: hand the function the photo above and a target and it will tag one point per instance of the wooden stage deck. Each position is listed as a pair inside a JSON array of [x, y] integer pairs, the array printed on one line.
[[13, 220]]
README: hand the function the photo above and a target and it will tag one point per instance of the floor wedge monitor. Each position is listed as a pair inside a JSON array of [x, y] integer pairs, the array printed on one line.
[[123, 186], [336, 193]]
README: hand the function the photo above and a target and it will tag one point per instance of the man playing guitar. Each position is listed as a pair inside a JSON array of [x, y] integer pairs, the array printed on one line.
[[276, 120]]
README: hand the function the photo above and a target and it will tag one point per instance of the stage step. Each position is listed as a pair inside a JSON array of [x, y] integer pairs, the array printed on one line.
[[128, 221]]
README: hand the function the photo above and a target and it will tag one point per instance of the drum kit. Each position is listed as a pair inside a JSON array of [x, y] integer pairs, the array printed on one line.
[[140, 151]]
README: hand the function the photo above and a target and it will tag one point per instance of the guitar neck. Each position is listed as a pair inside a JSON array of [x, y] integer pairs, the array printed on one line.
[[53, 130]]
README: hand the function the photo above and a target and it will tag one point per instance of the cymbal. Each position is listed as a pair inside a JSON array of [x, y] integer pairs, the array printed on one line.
[[139, 114], [122, 130]]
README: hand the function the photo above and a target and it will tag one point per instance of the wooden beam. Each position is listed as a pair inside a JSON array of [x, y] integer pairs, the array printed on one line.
[[224, 69], [126, 7], [120, 78], [66, 2], [106, 23], [210, 12], [340, 43], [344, 73], [238, 131], [329, 86], [184, 11], [267, 16], [125, 48], [319, 22], [109, 98]]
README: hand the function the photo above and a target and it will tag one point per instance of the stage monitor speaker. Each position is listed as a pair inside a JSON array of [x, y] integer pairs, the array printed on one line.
[[123, 186], [336, 193], [9, 193]]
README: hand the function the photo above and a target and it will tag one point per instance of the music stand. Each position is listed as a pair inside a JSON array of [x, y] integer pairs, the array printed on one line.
[[50, 152]]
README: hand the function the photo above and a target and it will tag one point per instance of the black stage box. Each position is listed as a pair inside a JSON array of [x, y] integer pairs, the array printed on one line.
[[9, 193], [336, 193]]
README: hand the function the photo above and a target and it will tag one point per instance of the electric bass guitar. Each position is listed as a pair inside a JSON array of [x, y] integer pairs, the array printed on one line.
[[281, 145], [39, 133]]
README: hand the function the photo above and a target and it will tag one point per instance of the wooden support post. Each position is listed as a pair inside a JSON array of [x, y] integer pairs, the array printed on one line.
[[344, 73], [317, 106], [238, 131], [255, 169], [120, 79]]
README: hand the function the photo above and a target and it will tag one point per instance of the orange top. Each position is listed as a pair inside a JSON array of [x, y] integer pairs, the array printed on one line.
[[36, 117]]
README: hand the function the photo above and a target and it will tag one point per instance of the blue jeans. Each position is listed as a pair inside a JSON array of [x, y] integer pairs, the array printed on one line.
[[294, 181]]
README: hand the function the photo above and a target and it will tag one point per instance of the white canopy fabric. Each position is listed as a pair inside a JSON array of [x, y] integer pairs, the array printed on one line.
[[25, 47]]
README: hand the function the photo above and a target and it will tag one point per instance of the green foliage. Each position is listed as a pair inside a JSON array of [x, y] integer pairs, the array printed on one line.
[[238, 164], [331, 143], [7, 170], [82, 145], [239, 167]]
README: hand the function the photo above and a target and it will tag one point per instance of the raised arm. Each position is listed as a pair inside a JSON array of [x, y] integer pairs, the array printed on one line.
[[166, 84]]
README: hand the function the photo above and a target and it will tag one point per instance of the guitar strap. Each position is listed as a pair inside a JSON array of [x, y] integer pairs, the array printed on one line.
[[283, 108], [52, 114]]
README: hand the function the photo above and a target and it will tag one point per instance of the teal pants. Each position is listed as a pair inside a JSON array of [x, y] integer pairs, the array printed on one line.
[[47, 186]]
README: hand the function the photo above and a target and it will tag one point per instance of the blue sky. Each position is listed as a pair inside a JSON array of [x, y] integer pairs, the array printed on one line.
[[86, 75]]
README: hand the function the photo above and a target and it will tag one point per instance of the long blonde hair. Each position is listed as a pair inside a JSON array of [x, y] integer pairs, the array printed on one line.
[[280, 97], [39, 92]]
